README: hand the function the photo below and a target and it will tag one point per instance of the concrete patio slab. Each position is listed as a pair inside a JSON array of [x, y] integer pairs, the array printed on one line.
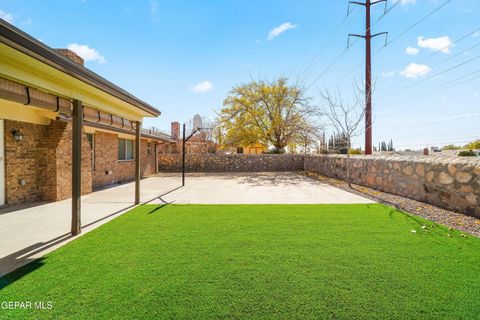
[[256, 188], [28, 232]]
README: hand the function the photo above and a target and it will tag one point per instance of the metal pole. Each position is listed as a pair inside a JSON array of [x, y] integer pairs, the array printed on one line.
[[368, 82], [137, 162], [183, 157], [368, 69], [77, 118]]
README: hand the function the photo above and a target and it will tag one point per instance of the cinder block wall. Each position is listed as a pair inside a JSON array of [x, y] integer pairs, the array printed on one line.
[[452, 184]]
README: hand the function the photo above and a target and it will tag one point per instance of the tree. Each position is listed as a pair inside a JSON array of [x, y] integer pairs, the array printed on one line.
[[205, 140], [473, 145], [346, 119], [383, 146], [451, 147], [273, 113]]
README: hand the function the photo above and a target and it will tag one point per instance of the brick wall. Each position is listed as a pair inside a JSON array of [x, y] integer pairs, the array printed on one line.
[[64, 164], [109, 170], [21, 161], [231, 163], [44, 160], [445, 182]]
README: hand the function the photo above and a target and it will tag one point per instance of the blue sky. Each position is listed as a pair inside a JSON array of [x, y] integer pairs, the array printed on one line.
[[184, 56]]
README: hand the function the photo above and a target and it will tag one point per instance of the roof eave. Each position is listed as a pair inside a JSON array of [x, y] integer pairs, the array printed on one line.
[[19, 40]]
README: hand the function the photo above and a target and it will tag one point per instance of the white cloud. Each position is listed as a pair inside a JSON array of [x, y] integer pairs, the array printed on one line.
[[389, 74], [414, 70], [87, 53], [202, 87], [6, 16], [412, 51], [280, 29], [438, 44]]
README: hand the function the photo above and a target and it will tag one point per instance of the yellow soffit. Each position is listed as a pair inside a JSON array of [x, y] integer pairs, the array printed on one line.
[[18, 112], [22, 68]]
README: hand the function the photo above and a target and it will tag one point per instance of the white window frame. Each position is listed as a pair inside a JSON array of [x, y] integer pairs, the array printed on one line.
[[122, 140]]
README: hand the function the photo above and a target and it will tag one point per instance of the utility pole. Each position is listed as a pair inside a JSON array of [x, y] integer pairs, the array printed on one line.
[[368, 68]]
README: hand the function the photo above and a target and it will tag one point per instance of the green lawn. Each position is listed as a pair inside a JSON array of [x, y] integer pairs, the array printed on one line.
[[254, 262]]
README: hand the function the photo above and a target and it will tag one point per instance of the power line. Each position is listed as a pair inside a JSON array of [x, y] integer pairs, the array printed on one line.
[[442, 88], [416, 24], [441, 73], [420, 21], [308, 69], [451, 119], [394, 87], [467, 139], [451, 44], [374, 24]]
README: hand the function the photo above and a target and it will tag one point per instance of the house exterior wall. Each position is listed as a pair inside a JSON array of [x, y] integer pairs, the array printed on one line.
[[21, 161], [43, 161], [109, 170]]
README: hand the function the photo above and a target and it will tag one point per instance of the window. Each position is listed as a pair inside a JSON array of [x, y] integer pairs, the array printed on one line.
[[239, 150], [149, 146], [125, 149], [91, 141]]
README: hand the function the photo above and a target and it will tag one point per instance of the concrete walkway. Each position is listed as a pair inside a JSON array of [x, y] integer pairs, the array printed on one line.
[[28, 232]]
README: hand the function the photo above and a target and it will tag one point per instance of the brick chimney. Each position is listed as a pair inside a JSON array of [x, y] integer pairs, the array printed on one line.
[[175, 130], [69, 54]]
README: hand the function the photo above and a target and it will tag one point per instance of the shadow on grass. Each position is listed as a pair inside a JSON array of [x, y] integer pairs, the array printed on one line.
[[10, 278], [18, 264], [23, 261]]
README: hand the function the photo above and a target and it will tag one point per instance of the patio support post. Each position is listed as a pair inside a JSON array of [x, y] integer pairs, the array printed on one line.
[[156, 157], [77, 119], [184, 151], [137, 163]]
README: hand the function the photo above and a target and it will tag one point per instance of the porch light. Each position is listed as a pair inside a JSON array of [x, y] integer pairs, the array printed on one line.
[[17, 135]]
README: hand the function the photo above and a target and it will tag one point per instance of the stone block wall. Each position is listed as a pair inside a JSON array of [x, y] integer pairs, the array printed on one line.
[[231, 163], [445, 182]]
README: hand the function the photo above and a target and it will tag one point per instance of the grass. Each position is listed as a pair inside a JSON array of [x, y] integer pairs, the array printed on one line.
[[253, 262]]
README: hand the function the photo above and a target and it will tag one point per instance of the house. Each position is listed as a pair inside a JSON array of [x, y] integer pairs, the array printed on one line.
[[252, 149], [64, 130], [200, 143]]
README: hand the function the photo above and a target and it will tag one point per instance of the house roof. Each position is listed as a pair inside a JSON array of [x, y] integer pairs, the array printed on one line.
[[21, 41]]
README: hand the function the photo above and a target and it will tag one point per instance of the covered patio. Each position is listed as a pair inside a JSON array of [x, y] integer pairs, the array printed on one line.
[[45, 92]]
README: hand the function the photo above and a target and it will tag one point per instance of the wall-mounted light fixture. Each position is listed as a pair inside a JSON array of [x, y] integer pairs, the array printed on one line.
[[17, 135]]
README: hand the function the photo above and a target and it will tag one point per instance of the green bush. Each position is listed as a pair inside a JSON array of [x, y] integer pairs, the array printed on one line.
[[466, 153], [355, 151]]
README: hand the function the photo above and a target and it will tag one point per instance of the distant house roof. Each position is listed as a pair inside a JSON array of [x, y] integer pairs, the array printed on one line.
[[21, 41]]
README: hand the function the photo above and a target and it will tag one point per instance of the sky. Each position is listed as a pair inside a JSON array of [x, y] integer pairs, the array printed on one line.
[[183, 57]]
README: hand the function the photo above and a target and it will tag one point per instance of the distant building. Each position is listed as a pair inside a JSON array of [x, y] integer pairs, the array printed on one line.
[[255, 148]]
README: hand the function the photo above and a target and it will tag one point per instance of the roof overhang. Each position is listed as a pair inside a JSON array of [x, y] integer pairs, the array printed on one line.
[[30, 62]]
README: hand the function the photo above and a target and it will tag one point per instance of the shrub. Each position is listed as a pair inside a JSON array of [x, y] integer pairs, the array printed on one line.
[[466, 153], [355, 151]]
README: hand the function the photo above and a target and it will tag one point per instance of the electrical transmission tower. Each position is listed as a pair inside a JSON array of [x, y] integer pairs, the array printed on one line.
[[368, 68]]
